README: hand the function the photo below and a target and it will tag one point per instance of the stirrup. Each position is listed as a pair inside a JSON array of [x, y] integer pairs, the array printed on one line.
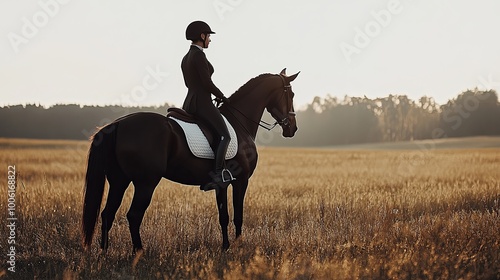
[[231, 178]]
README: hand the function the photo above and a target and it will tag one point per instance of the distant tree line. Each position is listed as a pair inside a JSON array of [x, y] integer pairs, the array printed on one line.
[[326, 121], [354, 120], [61, 121]]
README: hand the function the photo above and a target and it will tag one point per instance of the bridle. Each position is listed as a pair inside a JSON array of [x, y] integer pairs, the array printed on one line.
[[283, 121]]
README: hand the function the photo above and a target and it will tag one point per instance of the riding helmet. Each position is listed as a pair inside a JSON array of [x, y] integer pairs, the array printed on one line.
[[196, 28]]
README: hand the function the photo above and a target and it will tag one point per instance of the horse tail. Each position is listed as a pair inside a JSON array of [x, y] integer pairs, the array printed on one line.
[[101, 149]]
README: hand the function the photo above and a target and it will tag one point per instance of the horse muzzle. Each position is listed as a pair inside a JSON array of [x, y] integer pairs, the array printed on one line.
[[288, 125]]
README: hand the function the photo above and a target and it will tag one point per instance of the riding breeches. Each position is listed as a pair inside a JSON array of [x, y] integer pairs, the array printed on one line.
[[211, 116]]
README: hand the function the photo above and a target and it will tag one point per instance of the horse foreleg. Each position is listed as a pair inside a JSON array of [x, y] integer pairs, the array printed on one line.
[[115, 196], [223, 216], [239, 190], [143, 193]]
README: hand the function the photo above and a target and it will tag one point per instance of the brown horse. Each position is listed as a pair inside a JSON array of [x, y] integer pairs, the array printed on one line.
[[145, 147]]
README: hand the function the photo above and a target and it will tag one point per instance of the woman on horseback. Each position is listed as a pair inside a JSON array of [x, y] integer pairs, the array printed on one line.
[[197, 72]]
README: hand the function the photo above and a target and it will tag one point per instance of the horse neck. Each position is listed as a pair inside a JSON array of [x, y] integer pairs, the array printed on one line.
[[247, 111]]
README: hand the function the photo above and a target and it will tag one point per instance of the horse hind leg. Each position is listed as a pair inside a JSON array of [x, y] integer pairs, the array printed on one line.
[[143, 192], [117, 189]]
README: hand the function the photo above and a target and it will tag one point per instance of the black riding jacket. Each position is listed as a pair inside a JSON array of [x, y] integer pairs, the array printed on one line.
[[197, 71]]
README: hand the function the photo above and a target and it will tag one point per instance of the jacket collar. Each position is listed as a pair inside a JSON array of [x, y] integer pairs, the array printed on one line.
[[196, 46]]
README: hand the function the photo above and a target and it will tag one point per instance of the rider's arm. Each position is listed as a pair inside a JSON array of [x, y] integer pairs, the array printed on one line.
[[204, 72]]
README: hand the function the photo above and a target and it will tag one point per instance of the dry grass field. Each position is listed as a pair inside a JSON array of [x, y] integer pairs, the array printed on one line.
[[309, 214]]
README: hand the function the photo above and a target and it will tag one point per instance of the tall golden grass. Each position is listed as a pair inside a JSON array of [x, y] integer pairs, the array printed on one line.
[[309, 214]]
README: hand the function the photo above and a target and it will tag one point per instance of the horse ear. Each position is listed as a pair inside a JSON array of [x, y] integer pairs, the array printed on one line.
[[283, 72], [291, 78]]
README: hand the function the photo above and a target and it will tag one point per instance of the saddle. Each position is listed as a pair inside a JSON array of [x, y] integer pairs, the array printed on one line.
[[199, 137]]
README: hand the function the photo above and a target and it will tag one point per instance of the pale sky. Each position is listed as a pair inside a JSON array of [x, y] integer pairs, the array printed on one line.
[[129, 52]]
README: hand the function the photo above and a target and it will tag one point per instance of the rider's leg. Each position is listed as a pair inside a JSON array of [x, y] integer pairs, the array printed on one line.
[[220, 160], [221, 176]]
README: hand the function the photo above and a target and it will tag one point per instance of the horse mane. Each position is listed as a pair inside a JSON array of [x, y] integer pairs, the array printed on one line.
[[249, 86]]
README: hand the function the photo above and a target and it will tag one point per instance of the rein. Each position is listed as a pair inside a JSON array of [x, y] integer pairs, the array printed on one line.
[[267, 126], [260, 123]]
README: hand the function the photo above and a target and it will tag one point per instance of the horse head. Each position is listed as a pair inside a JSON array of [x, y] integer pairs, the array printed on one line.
[[281, 106]]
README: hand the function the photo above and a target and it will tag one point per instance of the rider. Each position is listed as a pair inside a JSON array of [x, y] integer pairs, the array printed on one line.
[[197, 71]]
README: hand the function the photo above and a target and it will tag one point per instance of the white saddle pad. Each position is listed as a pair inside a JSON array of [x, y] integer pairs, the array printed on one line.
[[198, 143]]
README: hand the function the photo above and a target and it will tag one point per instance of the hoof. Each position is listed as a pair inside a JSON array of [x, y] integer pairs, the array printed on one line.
[[238, 241], [137, 256], [103, 252]]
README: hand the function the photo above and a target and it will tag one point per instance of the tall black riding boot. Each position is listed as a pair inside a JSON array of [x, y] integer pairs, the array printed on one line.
[[221, 177]]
